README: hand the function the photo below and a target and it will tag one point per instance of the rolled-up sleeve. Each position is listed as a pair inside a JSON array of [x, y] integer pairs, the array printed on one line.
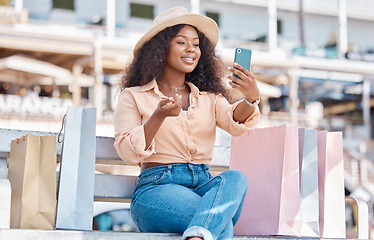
[[129, 131], [225, 119]]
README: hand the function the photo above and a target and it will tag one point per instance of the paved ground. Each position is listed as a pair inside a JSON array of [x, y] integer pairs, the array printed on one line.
[[28, 234]]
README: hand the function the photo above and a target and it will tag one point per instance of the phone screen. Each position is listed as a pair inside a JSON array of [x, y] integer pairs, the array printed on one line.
[[243, 57]]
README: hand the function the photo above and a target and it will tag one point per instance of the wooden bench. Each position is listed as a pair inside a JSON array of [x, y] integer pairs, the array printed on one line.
[[108, 187], [119, 187]]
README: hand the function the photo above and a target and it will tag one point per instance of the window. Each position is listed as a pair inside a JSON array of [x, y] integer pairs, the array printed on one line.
[[64, 4], [279, 27], [213, 15], [142, 10]]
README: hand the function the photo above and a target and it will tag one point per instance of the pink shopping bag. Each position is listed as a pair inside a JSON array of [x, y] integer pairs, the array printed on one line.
[[331, 185], [269, 158]]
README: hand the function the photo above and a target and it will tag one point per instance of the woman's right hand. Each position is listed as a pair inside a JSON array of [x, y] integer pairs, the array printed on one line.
[[170, 107]]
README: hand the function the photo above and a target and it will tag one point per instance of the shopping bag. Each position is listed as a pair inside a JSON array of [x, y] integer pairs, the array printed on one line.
[[269, 158], [77, 170], [331, 185], [5, 199], [32, 175], [309, 201]]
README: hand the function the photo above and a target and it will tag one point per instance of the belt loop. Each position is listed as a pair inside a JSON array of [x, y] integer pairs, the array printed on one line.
[[136, 179], [190, 166]]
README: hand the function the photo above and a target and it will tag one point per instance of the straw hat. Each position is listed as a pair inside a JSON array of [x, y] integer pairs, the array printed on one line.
[[180, 15]]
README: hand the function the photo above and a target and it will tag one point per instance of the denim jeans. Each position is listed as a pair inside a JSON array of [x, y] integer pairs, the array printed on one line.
[[186, 198]]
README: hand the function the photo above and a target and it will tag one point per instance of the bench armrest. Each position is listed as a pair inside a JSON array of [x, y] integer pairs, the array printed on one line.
[[362, 217]]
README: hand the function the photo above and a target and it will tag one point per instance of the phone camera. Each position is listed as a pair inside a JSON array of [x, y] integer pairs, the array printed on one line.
[[239, 50]]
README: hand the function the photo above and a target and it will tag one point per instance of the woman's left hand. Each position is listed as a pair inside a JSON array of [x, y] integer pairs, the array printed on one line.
[[246, 84]]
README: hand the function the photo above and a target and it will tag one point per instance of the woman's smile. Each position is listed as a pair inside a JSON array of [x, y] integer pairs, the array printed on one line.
[[188, 59]]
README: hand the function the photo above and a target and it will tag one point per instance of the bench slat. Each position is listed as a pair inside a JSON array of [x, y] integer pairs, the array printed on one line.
[[7, 135], [108, 187], [113, 186], [105, 152]]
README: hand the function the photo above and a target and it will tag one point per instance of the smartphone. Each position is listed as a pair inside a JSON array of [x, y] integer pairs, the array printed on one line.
[[243, 57]]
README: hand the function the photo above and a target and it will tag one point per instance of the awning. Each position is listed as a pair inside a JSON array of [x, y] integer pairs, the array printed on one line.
[[269, 90], [30, 71], [34, 71]]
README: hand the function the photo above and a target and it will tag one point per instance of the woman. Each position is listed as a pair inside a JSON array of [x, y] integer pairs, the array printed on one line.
[[165, 121]]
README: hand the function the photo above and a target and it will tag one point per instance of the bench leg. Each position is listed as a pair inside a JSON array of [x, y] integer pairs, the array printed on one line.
[[5, 199], [3, 169]]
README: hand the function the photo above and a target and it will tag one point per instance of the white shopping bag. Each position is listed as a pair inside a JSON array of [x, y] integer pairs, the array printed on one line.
[[309, 201], [331, 185], [77, 172]]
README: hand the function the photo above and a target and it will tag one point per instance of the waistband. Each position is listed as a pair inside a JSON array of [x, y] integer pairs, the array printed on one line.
[[181, 166]]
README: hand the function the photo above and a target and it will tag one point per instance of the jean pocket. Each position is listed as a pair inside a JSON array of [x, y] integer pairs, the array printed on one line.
[[153, 178]]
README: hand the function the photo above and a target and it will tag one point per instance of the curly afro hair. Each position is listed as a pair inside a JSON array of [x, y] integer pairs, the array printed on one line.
[[149, 61]]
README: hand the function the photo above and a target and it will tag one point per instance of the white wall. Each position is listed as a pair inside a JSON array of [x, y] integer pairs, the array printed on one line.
[[319, 29], [245, 20], [87, 9], [361, 34], [38, 9]]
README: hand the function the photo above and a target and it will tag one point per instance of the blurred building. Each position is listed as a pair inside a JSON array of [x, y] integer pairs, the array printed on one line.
[[313, 59]]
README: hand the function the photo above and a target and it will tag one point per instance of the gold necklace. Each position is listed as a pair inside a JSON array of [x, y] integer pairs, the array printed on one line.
[[174, 88]]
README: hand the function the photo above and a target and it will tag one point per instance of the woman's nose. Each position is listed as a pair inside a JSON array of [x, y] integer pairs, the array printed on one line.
[[190, 47]]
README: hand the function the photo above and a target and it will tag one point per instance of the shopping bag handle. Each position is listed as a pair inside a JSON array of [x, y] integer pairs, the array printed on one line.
[[62, 127], [60, 141]]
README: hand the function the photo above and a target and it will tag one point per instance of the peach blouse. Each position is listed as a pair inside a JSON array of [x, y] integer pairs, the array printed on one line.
[[180, 139]]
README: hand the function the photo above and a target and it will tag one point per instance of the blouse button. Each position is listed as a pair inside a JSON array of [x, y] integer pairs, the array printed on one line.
[[189, 132]]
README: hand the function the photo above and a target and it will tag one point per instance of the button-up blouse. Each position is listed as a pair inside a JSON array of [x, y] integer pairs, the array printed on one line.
[[185, 138]]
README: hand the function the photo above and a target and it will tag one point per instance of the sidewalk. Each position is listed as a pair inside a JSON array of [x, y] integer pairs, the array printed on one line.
[[32, 234]]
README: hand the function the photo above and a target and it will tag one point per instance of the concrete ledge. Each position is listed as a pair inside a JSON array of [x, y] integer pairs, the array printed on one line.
[[33, 234]]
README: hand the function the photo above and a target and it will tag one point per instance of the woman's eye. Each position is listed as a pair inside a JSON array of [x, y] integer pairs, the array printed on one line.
[[180, 42], [196, 45]]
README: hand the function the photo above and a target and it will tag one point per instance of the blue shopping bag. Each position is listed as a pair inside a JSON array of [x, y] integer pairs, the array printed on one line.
[[77, 171], [309, 197]]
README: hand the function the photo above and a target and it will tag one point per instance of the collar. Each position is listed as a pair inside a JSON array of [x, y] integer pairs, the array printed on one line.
[[195, 92], [149, 86], [152, 85]]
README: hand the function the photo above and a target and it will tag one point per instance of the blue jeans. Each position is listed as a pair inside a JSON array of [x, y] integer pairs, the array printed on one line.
[[186, 198]]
